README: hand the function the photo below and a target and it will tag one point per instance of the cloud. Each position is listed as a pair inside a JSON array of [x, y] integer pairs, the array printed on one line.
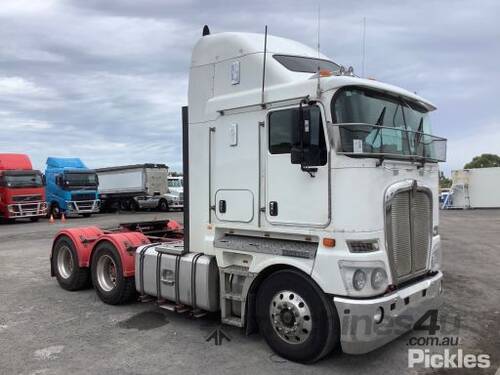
[[105, 80]]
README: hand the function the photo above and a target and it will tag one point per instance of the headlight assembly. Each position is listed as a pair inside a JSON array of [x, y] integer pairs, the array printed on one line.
[[363, 279]]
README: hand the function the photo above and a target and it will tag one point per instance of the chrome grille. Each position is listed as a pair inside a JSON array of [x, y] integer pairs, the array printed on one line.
[[422, 229], [400, 234], [26, 198], [409, 231], [82, 196]]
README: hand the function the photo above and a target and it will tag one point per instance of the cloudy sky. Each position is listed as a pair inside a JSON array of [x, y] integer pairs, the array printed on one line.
[[105, 79]]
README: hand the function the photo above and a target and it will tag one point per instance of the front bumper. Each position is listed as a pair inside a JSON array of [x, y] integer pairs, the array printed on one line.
[[176, 204], [29, 209], [401, 309], [82, 207]]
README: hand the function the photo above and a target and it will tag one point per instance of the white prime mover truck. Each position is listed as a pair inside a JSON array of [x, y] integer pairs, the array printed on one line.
[[175, 195], [311, 206], [133, 187]]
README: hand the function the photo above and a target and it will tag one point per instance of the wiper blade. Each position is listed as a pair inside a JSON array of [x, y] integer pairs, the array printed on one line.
[[380, 120]]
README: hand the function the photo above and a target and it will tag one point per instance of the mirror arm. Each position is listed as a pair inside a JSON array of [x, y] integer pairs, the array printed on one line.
[[309, 170]]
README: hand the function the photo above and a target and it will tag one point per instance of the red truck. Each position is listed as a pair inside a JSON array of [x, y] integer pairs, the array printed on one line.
[[22, 193]]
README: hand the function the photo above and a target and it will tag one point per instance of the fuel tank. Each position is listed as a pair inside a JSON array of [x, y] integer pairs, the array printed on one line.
[[166, 272]]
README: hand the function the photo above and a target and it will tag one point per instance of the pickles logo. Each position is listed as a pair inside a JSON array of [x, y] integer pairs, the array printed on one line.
[[447, 359]]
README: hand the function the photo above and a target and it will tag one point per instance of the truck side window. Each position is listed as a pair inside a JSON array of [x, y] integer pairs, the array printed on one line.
[[283, 127]]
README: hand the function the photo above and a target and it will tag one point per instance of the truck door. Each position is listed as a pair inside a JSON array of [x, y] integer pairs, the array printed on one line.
[[296, 195]]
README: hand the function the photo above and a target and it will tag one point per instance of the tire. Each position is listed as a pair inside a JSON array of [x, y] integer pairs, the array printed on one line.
[[55, 211], [133, 205], [34, 219], [289, 297], [163, 205], [124, 205], [107, 276], [86, 215], [65, 265]]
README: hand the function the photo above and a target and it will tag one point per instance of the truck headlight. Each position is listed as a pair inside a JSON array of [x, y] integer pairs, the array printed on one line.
[[379, 279], [359, 279], [363, 279]]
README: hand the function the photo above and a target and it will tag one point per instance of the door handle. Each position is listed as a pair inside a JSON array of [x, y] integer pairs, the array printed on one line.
[[222, 206], [273, 208]]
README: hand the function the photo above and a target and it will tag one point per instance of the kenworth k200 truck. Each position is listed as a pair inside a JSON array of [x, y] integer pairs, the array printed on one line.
[[22, 194], [311, 208], [71, 187]]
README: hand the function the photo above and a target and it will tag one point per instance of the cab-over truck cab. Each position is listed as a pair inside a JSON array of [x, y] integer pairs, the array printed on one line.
[[321, 186], [71, 187], [175, 194], [22, 194]]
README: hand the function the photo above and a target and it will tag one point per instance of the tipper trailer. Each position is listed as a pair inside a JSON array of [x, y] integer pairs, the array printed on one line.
[[311, 209], [133, 187], [22, 194]]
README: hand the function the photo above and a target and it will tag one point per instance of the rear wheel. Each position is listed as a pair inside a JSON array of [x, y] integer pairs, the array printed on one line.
[[163, 205], [124, 205], [107, 276], [134, 206], [69, 274], [295, 318]]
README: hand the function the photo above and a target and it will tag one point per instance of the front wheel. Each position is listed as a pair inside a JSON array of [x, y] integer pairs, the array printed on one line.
[[163, 205], [55, 211], [107, 276], [87, 215], [34, 219], [295, 317]]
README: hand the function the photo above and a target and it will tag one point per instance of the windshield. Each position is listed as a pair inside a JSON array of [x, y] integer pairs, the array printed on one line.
[[175, 183], [80, 179], [375, 123], [22, 179]]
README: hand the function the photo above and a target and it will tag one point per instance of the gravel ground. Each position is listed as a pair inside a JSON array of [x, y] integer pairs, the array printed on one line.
[[46, 330]]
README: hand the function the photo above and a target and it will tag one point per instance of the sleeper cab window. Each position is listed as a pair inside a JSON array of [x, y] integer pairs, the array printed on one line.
[[284, 131]]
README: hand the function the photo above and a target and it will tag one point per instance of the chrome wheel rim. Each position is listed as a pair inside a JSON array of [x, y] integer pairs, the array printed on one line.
[[290, 317], [65, 262], [106, 273]]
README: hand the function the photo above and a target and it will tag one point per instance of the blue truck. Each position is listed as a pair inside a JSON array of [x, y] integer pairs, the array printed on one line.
[[71, 188]]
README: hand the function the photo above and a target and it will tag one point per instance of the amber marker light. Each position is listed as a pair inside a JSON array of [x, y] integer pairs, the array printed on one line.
[[328, 242], [325, 73]]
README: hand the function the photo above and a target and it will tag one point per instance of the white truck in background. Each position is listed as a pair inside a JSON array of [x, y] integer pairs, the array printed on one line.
[[175, 195], [311, 207], [133, 187], [473, 188]]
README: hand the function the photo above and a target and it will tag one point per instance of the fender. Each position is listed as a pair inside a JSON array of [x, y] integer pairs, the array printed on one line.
[[125, 244], [83, 240]]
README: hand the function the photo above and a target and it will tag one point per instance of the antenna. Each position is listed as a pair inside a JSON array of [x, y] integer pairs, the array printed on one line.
[[318, 89], [264, 68], [364, 47]]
